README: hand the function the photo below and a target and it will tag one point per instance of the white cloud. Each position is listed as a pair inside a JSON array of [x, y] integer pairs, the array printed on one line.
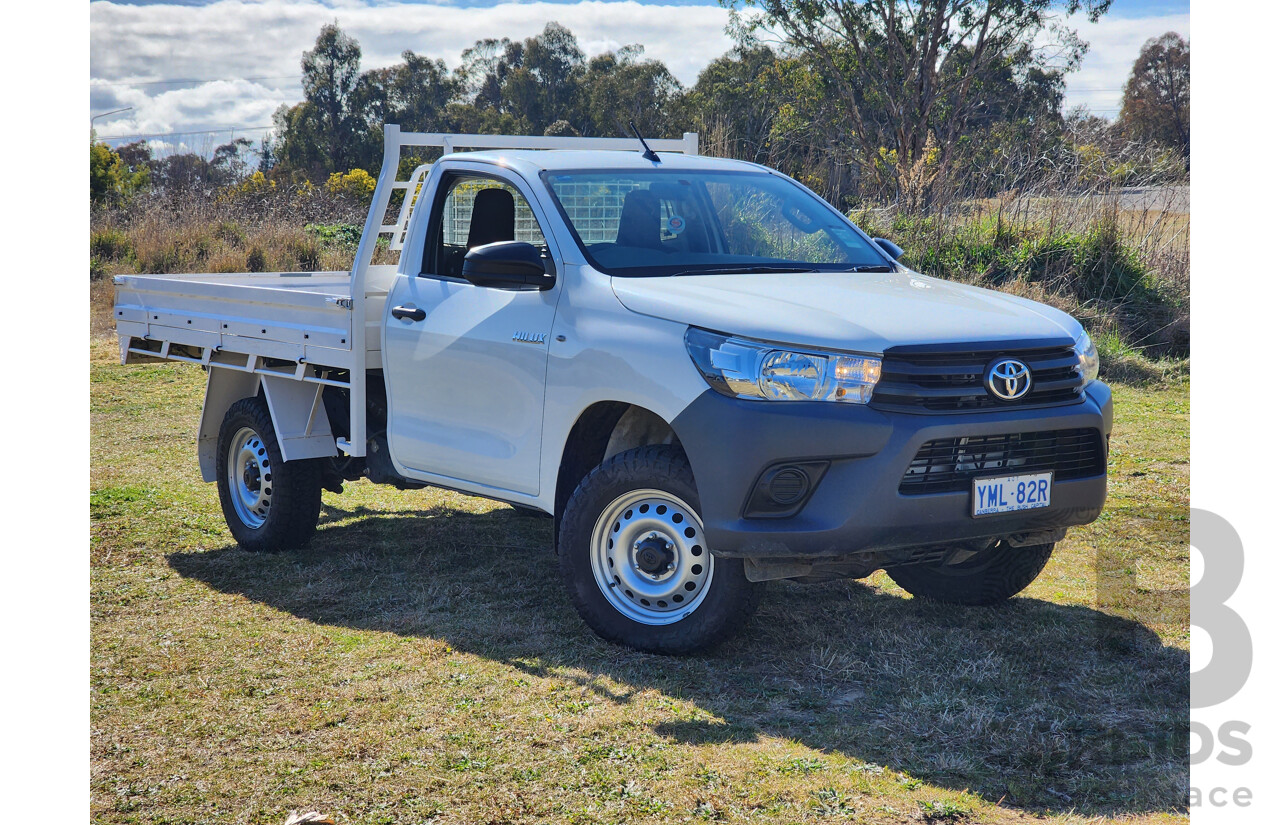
[[257, 46], [238, 39], [1114, 43]]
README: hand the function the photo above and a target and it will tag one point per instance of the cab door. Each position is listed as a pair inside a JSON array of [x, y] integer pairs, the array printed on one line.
[[465, 365]]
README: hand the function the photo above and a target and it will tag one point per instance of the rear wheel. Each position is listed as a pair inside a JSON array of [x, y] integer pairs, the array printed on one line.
[[269, 503], [636, 563], [987, 577]]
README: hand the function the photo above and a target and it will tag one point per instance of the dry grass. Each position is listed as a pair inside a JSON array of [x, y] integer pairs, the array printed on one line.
[[419, 663], [1155, 223], [1117, 259], [191, 232]]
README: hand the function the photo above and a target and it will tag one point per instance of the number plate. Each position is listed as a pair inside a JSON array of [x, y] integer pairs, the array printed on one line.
[[1008, 494]]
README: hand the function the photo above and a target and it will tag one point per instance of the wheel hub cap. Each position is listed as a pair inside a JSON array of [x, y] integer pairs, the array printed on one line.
[[249, 477], [649, 557], [654, 555]]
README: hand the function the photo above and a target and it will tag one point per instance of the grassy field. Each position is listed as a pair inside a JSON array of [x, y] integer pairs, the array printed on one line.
[[419, 663]]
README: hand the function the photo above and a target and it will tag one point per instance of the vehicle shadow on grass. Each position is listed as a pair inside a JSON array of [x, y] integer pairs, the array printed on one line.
[[1047, 707]]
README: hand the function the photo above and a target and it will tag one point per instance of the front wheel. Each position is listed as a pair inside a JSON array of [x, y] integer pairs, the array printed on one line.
[[636, 563], [269, 503], [987, 577]]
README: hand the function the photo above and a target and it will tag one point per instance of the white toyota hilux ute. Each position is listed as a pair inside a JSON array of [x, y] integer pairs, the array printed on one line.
[[705, 374]]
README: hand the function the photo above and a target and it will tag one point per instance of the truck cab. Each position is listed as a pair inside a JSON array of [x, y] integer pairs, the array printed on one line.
[[705, 374]]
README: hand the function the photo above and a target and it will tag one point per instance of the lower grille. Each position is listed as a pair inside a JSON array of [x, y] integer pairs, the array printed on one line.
[[949, 465]]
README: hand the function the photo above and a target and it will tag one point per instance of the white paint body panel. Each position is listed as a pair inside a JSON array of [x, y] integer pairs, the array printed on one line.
[[861, 312], [274, 314], [464, 399]]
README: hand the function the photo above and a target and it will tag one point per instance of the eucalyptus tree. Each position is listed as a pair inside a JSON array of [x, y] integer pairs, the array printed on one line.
[[1157, 97], [911, 74]]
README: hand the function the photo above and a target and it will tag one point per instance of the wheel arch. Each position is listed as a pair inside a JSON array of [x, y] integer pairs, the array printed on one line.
[[222, 389], [297, 413], [600, 432]]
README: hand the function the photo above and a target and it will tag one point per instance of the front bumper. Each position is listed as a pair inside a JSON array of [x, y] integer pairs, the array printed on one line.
[[856, 507]]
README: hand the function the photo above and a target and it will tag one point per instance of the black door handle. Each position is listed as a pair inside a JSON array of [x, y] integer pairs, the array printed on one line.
[[407, 314]]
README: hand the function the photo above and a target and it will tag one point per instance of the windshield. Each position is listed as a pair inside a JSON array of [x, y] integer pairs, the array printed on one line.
[[683, 222]]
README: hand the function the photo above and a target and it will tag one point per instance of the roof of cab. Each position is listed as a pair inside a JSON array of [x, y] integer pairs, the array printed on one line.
[[532, 161]]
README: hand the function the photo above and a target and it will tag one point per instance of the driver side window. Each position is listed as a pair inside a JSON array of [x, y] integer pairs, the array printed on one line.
[[477, 210]]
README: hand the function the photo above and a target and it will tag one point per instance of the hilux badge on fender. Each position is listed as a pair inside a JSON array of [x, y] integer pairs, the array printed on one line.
[[1008, 379]]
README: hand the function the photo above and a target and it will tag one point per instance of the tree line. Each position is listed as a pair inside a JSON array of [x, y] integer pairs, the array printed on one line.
[[901, 101]]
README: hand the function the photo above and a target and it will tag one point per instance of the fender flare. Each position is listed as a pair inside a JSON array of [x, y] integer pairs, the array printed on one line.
[[297, 413]]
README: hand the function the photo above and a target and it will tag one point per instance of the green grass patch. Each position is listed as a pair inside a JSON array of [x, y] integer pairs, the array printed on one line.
[[112, 502]]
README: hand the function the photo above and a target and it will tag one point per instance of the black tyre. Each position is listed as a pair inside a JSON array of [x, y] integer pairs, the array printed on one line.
[[985, 578], [269, 503], [634, 559]]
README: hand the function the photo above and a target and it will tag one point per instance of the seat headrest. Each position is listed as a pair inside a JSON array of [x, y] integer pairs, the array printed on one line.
[[639, 223], [493, 218]]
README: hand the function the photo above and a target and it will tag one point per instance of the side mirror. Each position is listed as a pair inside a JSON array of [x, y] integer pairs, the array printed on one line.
[[509, 265], [890, 247]]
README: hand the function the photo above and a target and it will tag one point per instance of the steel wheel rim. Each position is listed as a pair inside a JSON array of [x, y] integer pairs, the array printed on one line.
[[629, 536], [249, 477]]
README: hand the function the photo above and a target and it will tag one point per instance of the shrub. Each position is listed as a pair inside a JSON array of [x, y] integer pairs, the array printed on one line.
[[201, 247], [356, 184], [110, 245], [110, 181], [159, 261], [256, 186], [304, 251], [344, 236], [230, 232], [257, 260]]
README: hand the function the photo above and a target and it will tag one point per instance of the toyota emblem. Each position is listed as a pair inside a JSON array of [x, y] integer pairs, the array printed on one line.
[[1008, 379]]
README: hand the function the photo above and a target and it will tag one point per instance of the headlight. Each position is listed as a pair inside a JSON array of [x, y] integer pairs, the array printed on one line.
[[740, 368], [1088, 355]]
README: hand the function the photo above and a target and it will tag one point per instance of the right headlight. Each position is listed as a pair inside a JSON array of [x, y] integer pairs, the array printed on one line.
[[1089, 362], [740, 368]]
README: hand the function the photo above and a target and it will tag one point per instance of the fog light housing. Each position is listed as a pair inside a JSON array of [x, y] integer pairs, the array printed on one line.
[[788, 485], [784, 488]]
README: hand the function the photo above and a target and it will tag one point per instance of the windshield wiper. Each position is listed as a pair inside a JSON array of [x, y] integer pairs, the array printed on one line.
[[759, 269], [870, 268], [747, 269]]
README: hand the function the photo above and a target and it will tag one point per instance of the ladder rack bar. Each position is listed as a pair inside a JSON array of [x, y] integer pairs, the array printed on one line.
[[688, 144], [359, 271]]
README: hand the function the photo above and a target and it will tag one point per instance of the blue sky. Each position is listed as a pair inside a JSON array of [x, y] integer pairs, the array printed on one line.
[[238, 59]]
